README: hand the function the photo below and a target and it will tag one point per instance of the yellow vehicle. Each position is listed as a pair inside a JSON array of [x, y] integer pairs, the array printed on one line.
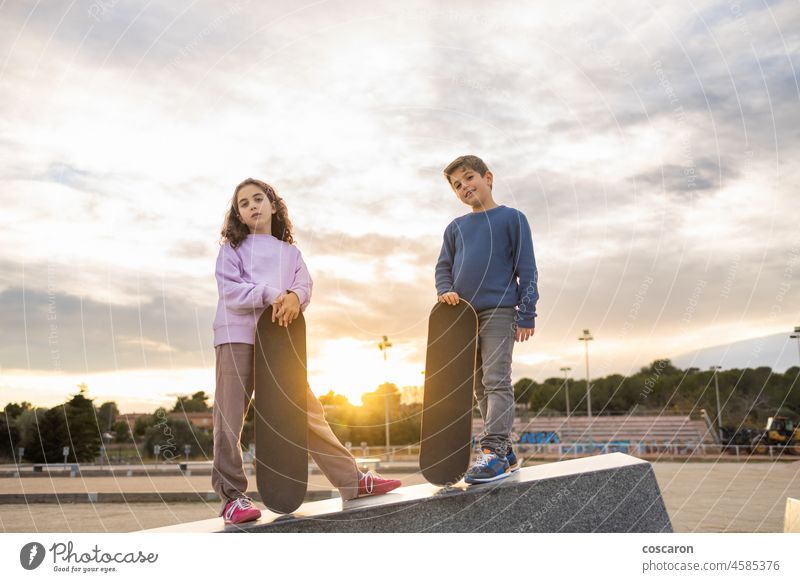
[[779, 432]]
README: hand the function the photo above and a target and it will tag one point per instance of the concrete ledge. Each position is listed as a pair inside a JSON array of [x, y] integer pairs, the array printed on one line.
[[606, 493]]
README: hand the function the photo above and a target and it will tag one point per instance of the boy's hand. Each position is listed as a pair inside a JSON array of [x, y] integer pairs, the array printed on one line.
[[524, 333], [451, 298], [286, 309]]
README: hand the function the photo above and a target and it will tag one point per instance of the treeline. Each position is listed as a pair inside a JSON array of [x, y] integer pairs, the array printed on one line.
[[747, 396], [43, 433], [367, 424]]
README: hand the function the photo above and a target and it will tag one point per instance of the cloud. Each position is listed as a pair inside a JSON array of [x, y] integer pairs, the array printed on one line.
[[57, 332]]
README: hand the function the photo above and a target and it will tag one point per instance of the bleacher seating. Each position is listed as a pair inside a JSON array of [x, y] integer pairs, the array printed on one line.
[[662, 429]]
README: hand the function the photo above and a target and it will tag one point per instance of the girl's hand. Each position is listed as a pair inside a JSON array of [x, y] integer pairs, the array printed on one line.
[[276, 306], [286, 309]]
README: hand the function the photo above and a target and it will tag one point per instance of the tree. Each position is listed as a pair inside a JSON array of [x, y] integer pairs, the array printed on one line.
[[662, 367], [84, 432], [406, 425], [72, 424], [523, 390], [9, 439], [340, 416], [333, 399], [13, 410], [377, 399], [28, 424], [10, 433], [122, 432], [197, 402], [107, 415], [543, 397], [172, 435], [144, 422], [51, 436]]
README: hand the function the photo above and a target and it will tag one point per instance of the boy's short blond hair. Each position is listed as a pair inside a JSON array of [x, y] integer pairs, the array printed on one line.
[[474, 163]]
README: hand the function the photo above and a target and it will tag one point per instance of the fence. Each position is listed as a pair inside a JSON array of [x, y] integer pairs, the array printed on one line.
[[644, 448]]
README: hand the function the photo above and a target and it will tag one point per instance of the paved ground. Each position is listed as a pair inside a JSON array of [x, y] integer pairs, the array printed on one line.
[[700, 497], [727, 497]]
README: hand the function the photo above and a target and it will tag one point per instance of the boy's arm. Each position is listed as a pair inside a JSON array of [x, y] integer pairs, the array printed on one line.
[[525, 269], [444, 266], [236, 293]]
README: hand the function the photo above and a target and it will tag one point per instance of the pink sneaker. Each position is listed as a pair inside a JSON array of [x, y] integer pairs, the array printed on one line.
[[240, 510], [373, 484]]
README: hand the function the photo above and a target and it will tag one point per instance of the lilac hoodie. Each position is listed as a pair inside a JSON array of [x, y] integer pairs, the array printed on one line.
[[250, 278]]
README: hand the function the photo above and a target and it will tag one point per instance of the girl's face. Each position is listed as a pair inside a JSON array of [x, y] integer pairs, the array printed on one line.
[[255, 209]]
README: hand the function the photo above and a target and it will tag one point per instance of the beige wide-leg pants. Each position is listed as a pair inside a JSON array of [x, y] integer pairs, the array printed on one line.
[[232, 398]]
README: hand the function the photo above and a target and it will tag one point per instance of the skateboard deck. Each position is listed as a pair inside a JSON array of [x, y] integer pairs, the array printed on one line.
[[281, 420], [450, 361]]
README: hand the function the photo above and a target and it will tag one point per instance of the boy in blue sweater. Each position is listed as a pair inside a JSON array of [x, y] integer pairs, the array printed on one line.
[[487, 258]]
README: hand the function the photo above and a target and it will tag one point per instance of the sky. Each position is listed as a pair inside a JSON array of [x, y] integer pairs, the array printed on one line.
[[653, 147]]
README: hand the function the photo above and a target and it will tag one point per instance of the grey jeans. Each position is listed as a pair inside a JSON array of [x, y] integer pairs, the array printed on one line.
[[493, 389]]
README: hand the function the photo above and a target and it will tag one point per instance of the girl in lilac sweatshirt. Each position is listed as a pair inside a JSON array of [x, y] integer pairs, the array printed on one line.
[[258, 266]]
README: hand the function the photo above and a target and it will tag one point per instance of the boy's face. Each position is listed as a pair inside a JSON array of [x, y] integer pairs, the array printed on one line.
[[472, 188]]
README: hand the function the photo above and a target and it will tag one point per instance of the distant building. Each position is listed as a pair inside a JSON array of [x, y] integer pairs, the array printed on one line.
[[204, 420]]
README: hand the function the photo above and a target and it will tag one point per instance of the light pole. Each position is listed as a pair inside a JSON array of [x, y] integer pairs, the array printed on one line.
[[566, 369], [715, 369], [587, 337], [384, 347], [796, 335]]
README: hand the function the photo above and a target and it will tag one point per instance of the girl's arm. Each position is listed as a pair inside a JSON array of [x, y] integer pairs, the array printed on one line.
[[302, 284], [237, 294]]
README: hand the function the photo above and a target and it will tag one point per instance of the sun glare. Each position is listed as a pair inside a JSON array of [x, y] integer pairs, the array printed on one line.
[[352, 367]]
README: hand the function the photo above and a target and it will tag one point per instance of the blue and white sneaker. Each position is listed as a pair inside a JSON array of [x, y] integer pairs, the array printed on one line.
[[513, 463], [488, 467]]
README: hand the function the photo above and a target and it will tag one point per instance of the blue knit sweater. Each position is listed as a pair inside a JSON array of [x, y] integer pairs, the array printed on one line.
[[487, 258]]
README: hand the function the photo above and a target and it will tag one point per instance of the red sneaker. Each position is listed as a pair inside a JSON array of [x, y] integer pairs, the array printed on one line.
[[240, 510], [373, 484]]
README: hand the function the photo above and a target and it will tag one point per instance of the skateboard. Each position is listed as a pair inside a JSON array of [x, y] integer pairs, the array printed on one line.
[[450, 361], [281, 420]]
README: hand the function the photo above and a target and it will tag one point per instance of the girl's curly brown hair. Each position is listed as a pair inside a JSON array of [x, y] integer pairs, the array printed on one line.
[[235, 231]]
